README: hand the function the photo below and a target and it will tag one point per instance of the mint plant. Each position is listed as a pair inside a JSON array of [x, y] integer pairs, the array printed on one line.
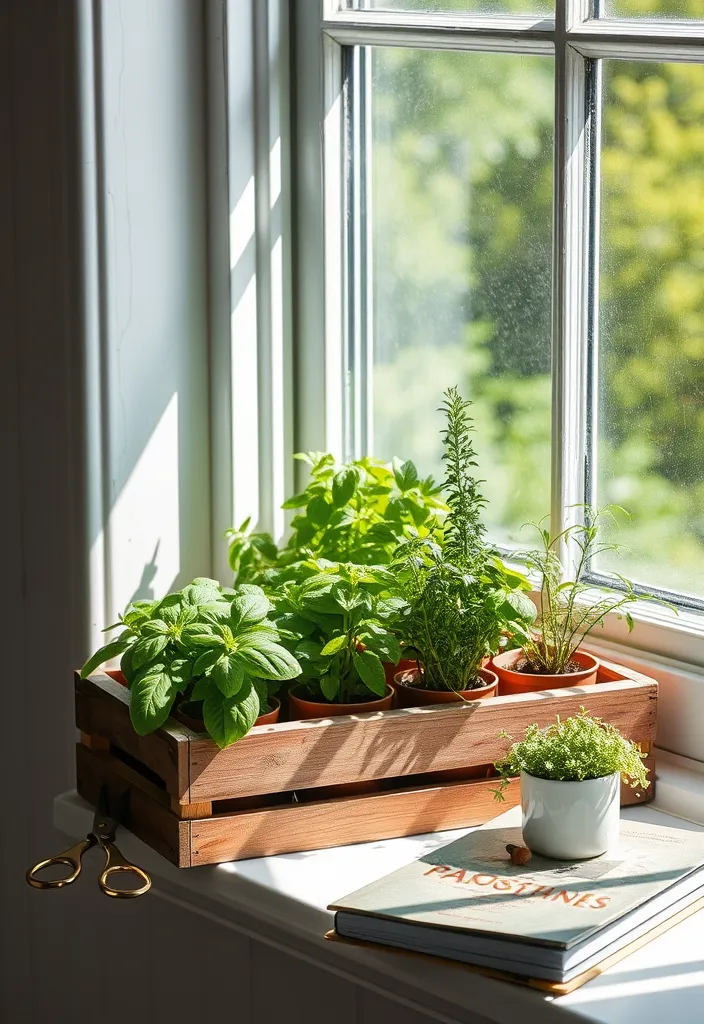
[[349, 512], [461, 597], [206, 643], [573, 750], [337, 618]]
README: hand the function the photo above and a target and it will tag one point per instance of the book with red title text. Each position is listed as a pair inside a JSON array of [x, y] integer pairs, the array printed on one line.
[[546, 919]]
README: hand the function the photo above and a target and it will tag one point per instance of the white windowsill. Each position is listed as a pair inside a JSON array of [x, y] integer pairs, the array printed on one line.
[[281, 901]]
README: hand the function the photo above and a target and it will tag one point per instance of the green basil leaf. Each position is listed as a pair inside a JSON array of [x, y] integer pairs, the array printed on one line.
[[169, 609], [152, 696], [200, 634], [228, 719], [249, 608], [181, 672], [155, 627], [385, 645], [228, 674], [148, 649], [330, 686], [296, 501], [296, 624], [370, 671], [405, 474], [215, 613], [111, 650], [126, 667], [319, 510], [201, 688], [262, 657], [334, 645], [343, 486], [201, 591], [205, 661]]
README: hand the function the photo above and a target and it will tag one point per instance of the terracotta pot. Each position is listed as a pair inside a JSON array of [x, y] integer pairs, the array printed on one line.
[[198, 725], [303, 710], [411, 696], [116, 674], [418, 696], [511, 682], [407, 665], [391, 670], [270, 717]]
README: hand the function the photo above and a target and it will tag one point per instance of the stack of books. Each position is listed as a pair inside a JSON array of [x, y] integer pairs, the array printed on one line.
[[554, 924]]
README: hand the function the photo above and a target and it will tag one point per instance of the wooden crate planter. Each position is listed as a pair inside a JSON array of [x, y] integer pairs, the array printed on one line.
[[197, 804]]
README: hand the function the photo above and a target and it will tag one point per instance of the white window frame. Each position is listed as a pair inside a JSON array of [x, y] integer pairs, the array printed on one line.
[[324, 28]]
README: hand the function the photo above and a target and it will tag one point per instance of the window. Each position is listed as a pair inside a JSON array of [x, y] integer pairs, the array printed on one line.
[[514, 203]]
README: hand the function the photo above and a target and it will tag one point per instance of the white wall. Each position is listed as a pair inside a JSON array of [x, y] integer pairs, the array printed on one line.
[[104, 399]]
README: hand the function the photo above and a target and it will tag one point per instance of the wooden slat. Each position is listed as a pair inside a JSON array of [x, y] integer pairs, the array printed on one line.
[[290, 828], [335, 751], [102, 709], [353, 819], [149, 814], [201, 810]]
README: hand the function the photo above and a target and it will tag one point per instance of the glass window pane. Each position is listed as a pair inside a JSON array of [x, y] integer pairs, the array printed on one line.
[[519, 7], [651, 313], [668, 9], [461, 224]]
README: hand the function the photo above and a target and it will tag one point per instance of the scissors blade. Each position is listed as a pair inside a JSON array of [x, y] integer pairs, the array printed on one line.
[[104, 823]]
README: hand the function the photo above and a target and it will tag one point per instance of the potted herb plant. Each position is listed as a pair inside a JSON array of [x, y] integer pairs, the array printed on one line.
[[336, 617], [348, 512], [549, 656], [460, 596], [570, 775], [211, 647]]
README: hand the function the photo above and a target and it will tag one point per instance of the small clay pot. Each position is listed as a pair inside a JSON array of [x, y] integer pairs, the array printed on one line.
[[391, 670], [303, 710], [410, 696], [198, 725], [117, 674], [512, 682]]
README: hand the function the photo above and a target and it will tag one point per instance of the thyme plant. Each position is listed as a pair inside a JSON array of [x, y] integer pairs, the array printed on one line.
[[573, 750]]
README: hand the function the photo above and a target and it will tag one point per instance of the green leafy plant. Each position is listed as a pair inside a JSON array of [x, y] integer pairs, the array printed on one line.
[[349, 512], [573, 750], [206, 643], [337, 618], [461, 598], [571, 608]]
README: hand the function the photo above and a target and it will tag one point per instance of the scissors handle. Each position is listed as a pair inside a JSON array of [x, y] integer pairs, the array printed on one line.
[[114, 863], [71, 858]]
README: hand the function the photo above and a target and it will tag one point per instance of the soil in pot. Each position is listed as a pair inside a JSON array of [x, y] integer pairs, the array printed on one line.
[[509, 667], [410, 696], [302, 709]]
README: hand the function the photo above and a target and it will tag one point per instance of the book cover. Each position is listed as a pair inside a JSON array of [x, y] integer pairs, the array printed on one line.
[[470, 886]]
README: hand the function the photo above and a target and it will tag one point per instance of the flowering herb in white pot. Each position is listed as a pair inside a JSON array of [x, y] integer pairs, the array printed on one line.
[[570, 784]]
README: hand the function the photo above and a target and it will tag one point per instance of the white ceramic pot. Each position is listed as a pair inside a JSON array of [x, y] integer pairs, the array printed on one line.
[[570, 820]]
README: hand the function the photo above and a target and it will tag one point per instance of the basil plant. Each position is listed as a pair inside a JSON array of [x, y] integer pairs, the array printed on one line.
[[204, 643], [338, 619], [349, 512]]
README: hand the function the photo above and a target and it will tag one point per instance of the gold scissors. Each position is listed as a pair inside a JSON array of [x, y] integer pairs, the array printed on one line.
[[102, 834]]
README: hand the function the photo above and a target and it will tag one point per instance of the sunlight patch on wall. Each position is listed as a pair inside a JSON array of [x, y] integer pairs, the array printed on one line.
[[144, 532]]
